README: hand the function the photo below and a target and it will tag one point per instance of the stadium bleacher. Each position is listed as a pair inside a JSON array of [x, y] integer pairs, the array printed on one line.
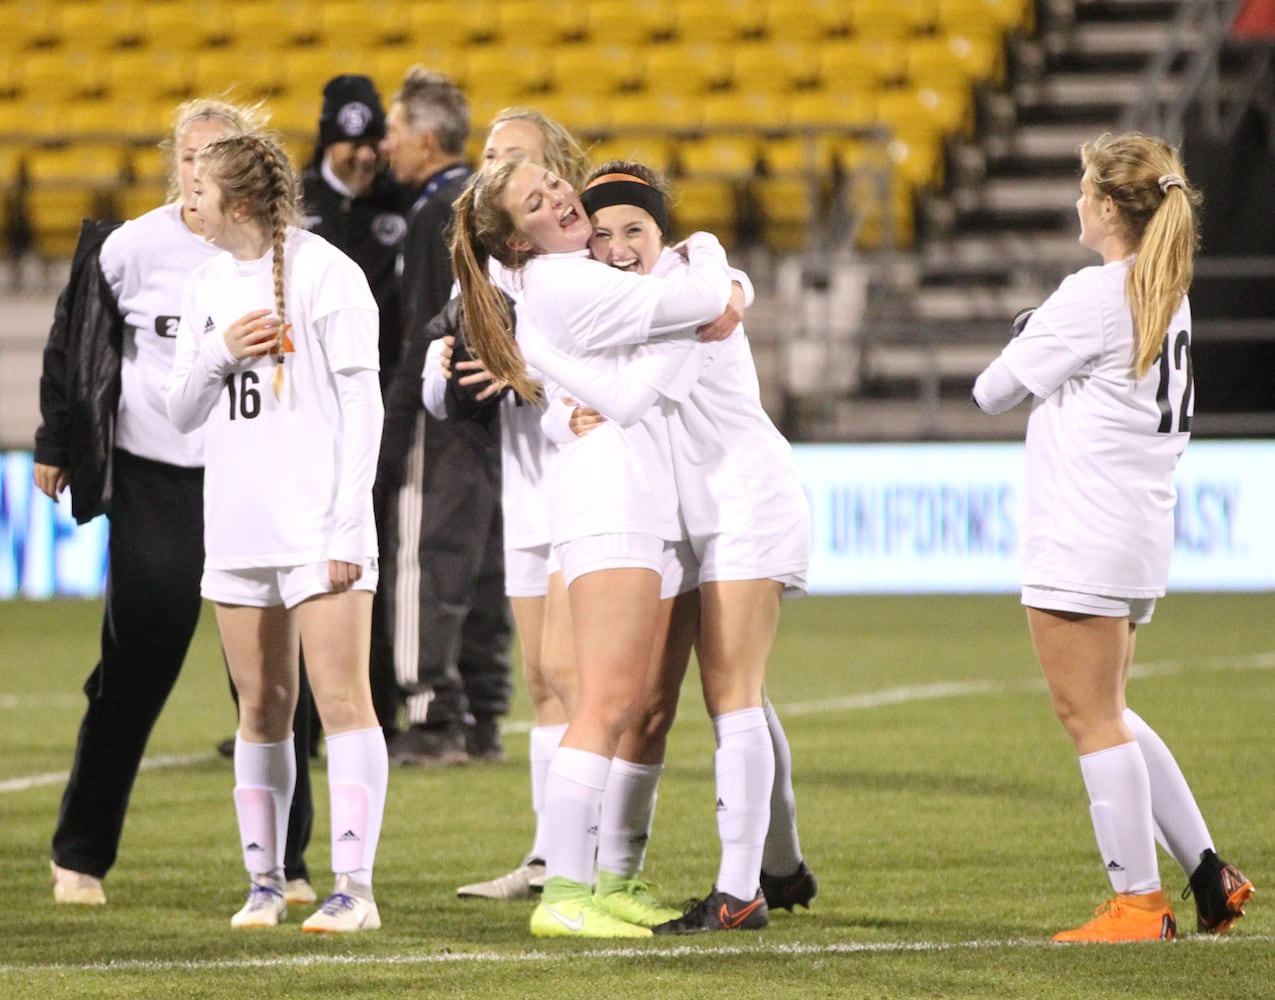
[[716, 75]]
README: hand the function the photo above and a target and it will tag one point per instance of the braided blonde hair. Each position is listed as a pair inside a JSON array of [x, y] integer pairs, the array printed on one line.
[[254, 172], [1155, 211]]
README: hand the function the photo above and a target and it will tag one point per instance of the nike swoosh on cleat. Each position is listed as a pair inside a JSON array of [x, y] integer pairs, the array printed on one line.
[[574, 925], [731, 921]]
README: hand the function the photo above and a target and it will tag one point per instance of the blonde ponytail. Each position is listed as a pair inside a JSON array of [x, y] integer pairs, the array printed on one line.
[[1155, 208]]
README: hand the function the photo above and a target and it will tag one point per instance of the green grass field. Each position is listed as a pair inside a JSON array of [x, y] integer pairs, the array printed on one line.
[[940, 805]]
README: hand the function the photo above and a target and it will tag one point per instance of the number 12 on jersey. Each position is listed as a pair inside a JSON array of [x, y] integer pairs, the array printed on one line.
[[1175, 393]]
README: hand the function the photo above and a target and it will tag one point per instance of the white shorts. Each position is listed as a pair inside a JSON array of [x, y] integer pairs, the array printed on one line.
[[622, 550], [527, 571], [1137, 609], [271, 586], [781, 556]]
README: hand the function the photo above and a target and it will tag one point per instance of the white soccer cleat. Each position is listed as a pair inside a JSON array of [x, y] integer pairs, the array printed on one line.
[[350, 908], [524, 882], [266, 906], [76, 887], [299, 892]]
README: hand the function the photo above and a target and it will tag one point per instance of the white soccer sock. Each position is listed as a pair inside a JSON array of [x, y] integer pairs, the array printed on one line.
[[1120, 807], [265, 777], [573, 799], [1179, 823], [745, 765], [782, 853], [544, 742], [628, 807], [358, 779]]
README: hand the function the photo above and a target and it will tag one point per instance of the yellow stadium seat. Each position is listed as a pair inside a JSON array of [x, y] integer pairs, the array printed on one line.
[[237, 73], [387, 66], [654, 151], [182, 28], [918, 158], [718, 20], [629, 21], [272, 26], [359, 25], [708, 205], [38, 120], [307, 69], [576, 111], [56, 214], [891, 18], [138, 199], [149, 164], [751, 110], [796, 154], [854, 108], [810, 21], [147, 72], [954, 60], [788, 207], [594, 68], [509, 70], [447, 25], [685, 67], [28, 26], [731, 156], [540, 23], [77, 164], [60, 74], [926, 109], [861, 63], [973, 15], [98, 24], [666, 110], [771, 66]]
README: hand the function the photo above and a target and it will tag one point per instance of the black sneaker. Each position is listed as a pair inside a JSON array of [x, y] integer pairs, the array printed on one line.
[[483, 742], [429, 746], [720, 911], [1220, 891], [783, 892]]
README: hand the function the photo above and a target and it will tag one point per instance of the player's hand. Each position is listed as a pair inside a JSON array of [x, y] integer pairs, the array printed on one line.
[[584, 419], [51, 480], [253, 334], [725, 324], [476, 375], [1019, 323], [445, 356], [343, 575]]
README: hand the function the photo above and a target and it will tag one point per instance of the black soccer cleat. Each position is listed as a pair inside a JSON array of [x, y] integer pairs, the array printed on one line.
[[720, 911], [1220, 891], [783, 892]]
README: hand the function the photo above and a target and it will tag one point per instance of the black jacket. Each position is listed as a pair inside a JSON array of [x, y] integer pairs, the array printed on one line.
[[80, 385]]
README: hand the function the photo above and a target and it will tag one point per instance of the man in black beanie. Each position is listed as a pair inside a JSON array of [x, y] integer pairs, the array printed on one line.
[[351, 199]]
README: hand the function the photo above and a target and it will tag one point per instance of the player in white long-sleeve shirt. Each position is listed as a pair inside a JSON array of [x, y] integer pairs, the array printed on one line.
[[612, 510], [1107, 359], [748, 524], [277, 358]]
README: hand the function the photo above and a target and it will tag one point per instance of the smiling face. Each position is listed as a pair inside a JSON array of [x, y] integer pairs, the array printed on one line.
[[513, 139], [354, 164], [626, 237], [546, 212]]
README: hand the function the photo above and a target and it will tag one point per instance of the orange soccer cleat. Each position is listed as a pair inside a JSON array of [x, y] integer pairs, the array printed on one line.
[[1127, 918]]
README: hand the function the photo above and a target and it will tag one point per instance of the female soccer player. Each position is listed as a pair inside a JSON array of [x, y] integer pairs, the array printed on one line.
[[748, 527], [106, 434], [1108, 359], [612, 509], [277, 356]]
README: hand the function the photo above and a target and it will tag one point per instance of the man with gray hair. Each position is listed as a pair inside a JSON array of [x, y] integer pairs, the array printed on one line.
[[442, 561]]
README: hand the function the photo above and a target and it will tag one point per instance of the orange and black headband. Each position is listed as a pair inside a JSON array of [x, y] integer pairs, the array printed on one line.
[[625, 189]]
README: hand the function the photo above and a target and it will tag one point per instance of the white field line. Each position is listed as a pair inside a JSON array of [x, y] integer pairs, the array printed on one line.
[[848, 703], [763, 949]]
